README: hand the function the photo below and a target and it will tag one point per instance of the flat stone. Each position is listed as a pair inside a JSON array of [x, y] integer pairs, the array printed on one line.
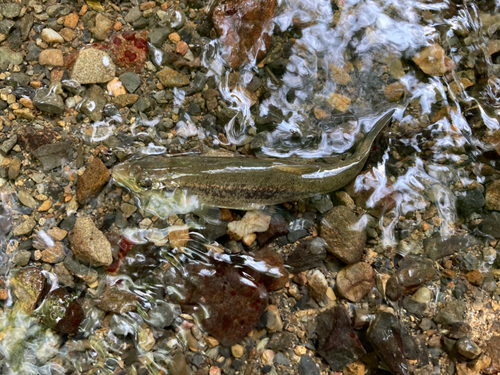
[[71, 20], [51, 57], [337, 341], [103, 27], [342, 241], [394, 91], [94, 102], [51, 36], [126, 100], [54, 254], [25, 227], [11, 10], [408, 279], [309, 253], [53, 155], [355, 281], [307, 366], [131, 81], [68, 34], [452, 313], [8, 144], [158, 36], [115, 87], [57, 233], [468, 348], [89, 244], [93, 66], [437, 248], [171, 78], [14, 168], [133, 15], [28, 285], [80, 270], [117, 298], [22, 258], [493, 196], [91, 182], [46, 100]]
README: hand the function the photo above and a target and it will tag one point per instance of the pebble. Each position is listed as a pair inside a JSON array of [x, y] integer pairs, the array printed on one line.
[[171, 78], [25, 227], [493, 196], [91, 182], [339, 75], [308, 254], [337, 342], [394, 91], [117, 298], [14, 168], [131, 81], [81, 271], [317, 284], [11, 10], [126, 100], [22, 258], [93, 66], [437, 248], [115, 87], [8, 56], [89, 244], [453, 312], [26, 199], [355, 281], [433, 60], [53, 155], [493, 351], [468, 348], [237, 351], [146, 339], [51, 57], [342, 241], [273, 321], [339, 102], [54, 254], [51, 36], [61, 312], [103, 27], [277, 227], [253, 221], [307, 366], [46, 100], [57, 234], [7, 145], [128, 209], [408, 279]]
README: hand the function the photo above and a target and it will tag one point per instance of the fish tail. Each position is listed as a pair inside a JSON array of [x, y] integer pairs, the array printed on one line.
[[365, 146]]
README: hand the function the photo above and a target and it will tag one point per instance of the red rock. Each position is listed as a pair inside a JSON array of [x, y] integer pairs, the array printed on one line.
[[129, 49], [274, 262], [61, 312], [245, 28], [91, 182]]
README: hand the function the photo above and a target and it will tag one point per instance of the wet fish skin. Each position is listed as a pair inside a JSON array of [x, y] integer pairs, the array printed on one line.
[[242, 183]]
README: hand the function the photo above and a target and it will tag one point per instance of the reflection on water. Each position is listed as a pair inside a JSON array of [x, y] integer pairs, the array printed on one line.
[[331, 69]]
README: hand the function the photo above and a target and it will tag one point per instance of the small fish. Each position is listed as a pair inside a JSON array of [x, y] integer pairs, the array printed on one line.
[[183, 184]]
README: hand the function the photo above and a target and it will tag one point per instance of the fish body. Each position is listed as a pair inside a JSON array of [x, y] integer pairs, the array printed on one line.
[[237, 183]]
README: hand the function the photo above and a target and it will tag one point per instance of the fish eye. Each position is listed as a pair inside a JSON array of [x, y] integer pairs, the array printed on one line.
[[145, 183]]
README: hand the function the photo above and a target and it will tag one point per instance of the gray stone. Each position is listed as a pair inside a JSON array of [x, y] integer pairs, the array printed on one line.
[[346, 243], [103, 27], [11, 10], [131, 81], [81, 271], [52, 155], [89, 244], [25, 25], [309, 253], [133, 15], [307, 366], [280, 359], [491, 225], [158, 36], [26, 199], [93, 66], [93, 103], [8, 144], [163, 315], [33, 52], [452, 313], [22, 258], [25, 227], [46, 100], [437, 248], [6, 26], [468, 348], [7, 57]]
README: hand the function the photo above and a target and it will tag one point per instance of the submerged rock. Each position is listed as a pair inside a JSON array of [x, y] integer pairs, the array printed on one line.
[[355, 281], [61, 312], [46, 100], [408, 279], [89, 244], [28, 285], [342, 240], [385, 334], [53, 155], [93, 66], [433, 61], [91, 182], [245, 28], [337, 342], [308, 254]]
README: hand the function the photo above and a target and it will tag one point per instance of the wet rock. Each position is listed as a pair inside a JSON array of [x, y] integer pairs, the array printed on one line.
[[53, 155], [89, 244], [408, 279], [61, 312], [126, 100], [339, 75], [245, 28], [81, 271], [281, 341], [53, 254], [385, 334], [22, 258], [468, 348], [28, 285], [7, 145], [93, 66], [103, 27], [308, 254], [317, 284], [163, 315], [491, 225], [131, 81], [25, 227], [337, 342], [234, 302], [273, 319], [158, 36], [14, 168], [93, 104], [26, 199], [170, 78], [91, 182], [339, 102], [342, 241], [493, 351], [470, 201], [437, 248], [51, 57], [493, 196], [133, 15], [117, 298], [452, 313], [46, 100], [273, 261], [253, 221], [355, 281], [307, 366], [11, 10], [475, 277], [51, 36], [433, 61], [394, 91]]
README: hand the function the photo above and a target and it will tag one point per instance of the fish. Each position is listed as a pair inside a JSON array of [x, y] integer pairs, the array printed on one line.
[[182, 184]]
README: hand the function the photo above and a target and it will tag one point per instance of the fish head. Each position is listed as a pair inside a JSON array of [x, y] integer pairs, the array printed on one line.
[[143, 175]]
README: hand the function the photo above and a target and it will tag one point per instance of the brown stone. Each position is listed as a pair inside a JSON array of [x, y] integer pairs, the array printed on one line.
[[92, 181], [51, 57], [126, 100], [475, 277], [54, 254], [355, 281], [103, 26], [28, 285], [339, 102], [181, 48], [493, 351], [394, 91], [71, 20], [493, 196], [433, 61], [89, 244], [68, 34], [171, 78], [245, 28]]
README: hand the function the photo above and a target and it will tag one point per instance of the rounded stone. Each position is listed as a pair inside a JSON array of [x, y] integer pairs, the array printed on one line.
[[355, 281], [93, 66]]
